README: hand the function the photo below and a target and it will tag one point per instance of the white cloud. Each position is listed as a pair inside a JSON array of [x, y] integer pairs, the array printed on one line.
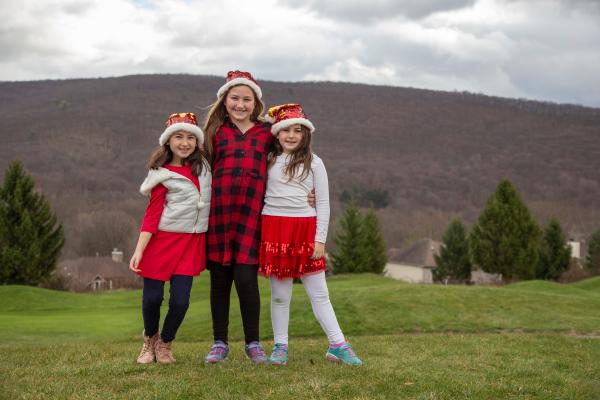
[[352, 70], [362, 11], [543, 49]]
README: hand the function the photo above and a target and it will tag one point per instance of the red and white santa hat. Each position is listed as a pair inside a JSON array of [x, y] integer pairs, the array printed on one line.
[[287, 115], [182, 122], [235, 78]]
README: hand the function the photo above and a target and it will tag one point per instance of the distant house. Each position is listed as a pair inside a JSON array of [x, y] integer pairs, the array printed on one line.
[[480, 277], [98, 273], [414, 265]]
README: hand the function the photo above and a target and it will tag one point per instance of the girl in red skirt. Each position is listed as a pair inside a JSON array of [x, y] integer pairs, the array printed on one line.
[[171, 246], [293, 234]]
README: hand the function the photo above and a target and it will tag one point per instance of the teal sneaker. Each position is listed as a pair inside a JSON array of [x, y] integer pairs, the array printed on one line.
[[342, 354], [279, 354]]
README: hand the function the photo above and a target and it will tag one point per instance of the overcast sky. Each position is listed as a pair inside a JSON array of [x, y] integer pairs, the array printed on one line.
[[536, 49]]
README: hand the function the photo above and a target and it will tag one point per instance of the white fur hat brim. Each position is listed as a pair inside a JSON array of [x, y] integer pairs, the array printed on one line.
[[292, 121], [240, 81], [182, 126]]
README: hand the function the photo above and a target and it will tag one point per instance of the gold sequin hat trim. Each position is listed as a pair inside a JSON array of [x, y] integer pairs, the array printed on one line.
[[286, 115]]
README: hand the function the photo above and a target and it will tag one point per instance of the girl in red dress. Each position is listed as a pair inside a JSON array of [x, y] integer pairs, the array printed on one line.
[[171, 246], [238, 142], [294, 234]]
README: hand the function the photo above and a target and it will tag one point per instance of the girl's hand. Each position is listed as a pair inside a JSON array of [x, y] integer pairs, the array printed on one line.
[[135, 262], [319, 251], [139, 251], [312, 199]]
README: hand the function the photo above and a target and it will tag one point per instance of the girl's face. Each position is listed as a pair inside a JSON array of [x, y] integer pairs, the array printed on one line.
[[240, 103], [182, 144], [290, 138]]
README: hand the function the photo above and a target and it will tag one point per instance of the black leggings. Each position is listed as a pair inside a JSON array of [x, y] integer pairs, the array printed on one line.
[[179, 301], [246, 285]]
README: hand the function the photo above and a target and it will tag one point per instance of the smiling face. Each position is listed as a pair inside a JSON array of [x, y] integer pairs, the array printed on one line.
[[290, 138], [240, 103], [182, 144]]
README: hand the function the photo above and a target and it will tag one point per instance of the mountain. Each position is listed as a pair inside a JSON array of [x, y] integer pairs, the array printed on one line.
[[437, 154]]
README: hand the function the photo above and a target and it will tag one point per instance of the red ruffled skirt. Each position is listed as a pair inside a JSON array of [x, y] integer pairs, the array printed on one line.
[[286, 245]]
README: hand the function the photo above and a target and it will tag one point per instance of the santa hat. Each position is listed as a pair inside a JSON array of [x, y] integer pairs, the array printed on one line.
[[182, 122], [287, 115], [235, 78]]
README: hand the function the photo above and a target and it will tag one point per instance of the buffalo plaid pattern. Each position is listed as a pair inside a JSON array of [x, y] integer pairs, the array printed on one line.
[[238, 191]]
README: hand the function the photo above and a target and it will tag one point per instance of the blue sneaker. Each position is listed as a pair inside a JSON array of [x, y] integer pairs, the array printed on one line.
[[279, 354], [256, 353], [218, 352], [343, 354]]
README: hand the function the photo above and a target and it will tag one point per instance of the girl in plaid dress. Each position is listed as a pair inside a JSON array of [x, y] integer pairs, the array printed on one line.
[[294, 234], [238, 143]]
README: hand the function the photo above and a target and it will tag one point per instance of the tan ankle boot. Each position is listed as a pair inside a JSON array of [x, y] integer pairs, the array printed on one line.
[[147, 355], [163, 352]]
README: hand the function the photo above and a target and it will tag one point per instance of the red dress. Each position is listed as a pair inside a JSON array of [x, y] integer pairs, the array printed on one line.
[[170, 253], [238, 190], [287, 246]]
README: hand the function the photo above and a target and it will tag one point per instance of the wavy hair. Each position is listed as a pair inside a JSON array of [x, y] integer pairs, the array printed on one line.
[[301, 156]]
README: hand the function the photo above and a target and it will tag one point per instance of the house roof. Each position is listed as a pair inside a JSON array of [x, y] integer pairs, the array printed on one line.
[[419, 254], [85, 269]]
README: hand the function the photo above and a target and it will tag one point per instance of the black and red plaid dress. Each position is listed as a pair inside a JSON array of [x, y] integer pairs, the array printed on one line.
[[238, 189]]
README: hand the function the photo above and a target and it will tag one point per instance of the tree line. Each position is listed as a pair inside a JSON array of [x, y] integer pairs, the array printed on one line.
[[505, 240]]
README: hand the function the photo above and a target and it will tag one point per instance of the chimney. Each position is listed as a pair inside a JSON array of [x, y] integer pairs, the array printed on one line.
[[117, 256], [575, 248]]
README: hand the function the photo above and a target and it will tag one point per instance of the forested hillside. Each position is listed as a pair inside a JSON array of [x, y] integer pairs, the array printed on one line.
[[426, 155]]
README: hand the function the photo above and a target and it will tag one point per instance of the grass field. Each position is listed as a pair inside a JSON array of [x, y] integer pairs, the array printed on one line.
[[531, 340]]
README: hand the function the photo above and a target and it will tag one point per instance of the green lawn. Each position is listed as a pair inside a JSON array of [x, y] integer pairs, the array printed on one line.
[[530, 340]]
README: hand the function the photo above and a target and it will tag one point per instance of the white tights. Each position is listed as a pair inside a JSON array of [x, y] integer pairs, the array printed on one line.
[[316, 288]]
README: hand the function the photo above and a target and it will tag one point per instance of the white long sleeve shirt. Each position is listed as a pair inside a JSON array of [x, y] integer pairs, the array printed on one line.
[[289, 199]]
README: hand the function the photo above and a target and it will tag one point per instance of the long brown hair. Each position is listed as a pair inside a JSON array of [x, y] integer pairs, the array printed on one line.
[[163, 155], [302, 156], [217, 114]]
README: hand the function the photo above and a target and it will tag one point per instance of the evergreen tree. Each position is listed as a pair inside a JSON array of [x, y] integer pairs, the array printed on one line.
[[349, 255], [592, 260], [454, 262], [30, 235], [555, 253], [373, 245], [505, 239]]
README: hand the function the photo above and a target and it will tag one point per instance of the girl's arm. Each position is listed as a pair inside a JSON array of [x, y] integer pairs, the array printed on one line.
[[149, 224], [139, 251], [322, 205]]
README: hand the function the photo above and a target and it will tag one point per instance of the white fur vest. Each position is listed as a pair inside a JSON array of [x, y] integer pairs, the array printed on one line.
[[186, 209]]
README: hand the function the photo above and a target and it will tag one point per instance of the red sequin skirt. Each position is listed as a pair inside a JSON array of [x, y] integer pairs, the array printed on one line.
[[286, 245]]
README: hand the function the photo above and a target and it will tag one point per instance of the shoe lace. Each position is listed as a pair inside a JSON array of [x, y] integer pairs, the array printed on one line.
[[146, 348], [348, 350], [216, 350], [256, 351], [279, 350], [163, 345]]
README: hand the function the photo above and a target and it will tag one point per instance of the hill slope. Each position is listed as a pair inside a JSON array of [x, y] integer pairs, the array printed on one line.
[[365, 304], [437, 154]]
